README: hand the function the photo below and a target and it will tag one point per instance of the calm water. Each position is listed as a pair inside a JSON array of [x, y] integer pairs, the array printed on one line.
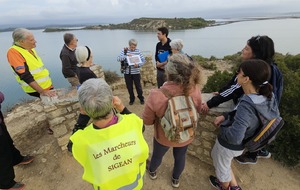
[[107, 44]]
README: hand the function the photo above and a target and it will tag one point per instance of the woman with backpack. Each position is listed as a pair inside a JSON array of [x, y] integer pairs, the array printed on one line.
[[242, 122], [257, 47], [183, 78]]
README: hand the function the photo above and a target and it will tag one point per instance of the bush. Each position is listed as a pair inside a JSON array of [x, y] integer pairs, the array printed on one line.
[[208, 65], [111, 76], [199, 58], [286, 147], [292, 62], [213, 58], [204, 62], [217, 81]]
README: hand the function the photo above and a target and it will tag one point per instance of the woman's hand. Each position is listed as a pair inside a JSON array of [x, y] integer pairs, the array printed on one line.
[[204, 108], [117, 103], [48, 93], [219, 120]]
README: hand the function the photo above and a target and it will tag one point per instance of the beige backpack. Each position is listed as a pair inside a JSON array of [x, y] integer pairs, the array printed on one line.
[[180, 119]]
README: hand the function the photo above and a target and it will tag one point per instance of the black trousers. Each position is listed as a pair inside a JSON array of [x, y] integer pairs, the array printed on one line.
[[179, 154], [160, 77], [9, 157], [136, 79]]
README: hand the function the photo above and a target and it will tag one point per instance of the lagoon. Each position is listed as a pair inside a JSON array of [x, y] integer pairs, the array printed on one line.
[[106, 45]]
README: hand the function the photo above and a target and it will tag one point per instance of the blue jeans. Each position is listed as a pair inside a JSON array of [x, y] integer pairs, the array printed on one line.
[[159, 151]]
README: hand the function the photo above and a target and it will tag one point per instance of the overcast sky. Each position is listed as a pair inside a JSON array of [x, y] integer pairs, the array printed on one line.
[[114, 11]]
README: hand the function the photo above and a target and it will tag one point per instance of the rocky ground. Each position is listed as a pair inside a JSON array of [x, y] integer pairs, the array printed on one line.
[[53, 169]]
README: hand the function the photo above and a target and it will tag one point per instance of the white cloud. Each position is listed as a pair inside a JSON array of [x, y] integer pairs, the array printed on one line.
[[17, 11]]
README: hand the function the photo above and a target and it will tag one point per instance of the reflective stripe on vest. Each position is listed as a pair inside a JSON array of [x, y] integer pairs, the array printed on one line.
[[113, 157], [39, 81], [36, 69]]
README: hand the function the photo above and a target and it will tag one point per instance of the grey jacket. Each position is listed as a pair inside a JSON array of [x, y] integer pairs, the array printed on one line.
[[242, 123]]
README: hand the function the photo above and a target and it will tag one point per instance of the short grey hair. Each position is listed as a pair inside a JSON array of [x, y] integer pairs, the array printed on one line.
[[95, 97], [20, 34], [68, 37], [133, 42], [177, 44]]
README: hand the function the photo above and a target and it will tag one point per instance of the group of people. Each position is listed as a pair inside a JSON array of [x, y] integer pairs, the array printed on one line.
[[112, 149]]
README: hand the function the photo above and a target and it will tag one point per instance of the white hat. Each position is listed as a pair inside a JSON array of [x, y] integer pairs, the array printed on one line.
[[83, 54]]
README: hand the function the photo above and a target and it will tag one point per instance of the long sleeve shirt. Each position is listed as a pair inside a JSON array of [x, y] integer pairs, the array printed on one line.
[[19, 65], [130, 69], [156, 106], [69, 62]]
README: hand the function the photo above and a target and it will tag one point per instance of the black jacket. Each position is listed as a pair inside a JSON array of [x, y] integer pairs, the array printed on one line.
[[69, 62], [234, 91]]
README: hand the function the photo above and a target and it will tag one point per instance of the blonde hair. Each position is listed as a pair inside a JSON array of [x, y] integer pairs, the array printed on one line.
[[181, 70]]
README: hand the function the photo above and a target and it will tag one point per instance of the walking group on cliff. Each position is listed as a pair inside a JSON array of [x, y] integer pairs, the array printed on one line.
[[112, 149]]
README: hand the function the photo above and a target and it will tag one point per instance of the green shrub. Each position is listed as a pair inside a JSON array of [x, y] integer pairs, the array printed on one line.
[[204, 62], [286, 147], [213, 58], [111, 76], [292, 62], [217, 81], [208, 65], [234, 58], [199, 58]]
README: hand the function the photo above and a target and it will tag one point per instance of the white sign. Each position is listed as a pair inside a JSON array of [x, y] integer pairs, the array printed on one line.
[[133, 59]]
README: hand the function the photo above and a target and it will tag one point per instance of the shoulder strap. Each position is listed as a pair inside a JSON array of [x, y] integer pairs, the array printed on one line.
[[166, 93]]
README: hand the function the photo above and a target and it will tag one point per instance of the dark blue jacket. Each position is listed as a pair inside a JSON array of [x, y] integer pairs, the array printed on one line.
[[242, 123], [277, 82]]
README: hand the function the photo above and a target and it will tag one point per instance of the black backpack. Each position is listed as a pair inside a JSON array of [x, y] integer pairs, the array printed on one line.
[[124, 63], [265, 134]]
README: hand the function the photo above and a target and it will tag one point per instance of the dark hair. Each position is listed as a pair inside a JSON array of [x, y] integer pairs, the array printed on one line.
[[259, 72], [68, 37], [262, 48], [164, 30]]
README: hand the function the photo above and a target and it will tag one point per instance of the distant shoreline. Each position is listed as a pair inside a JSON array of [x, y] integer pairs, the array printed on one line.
[[217, 22], [212, 24], [227, 21]]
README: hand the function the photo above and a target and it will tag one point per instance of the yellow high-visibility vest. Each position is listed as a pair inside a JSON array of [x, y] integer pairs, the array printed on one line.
[[36, 68], [113, 157]]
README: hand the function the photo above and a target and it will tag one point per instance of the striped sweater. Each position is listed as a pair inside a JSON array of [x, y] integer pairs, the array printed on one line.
[[131, 69]]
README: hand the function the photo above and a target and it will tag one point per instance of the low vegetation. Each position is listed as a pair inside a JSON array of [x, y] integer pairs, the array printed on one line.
[[111, 76], [204, 62]]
